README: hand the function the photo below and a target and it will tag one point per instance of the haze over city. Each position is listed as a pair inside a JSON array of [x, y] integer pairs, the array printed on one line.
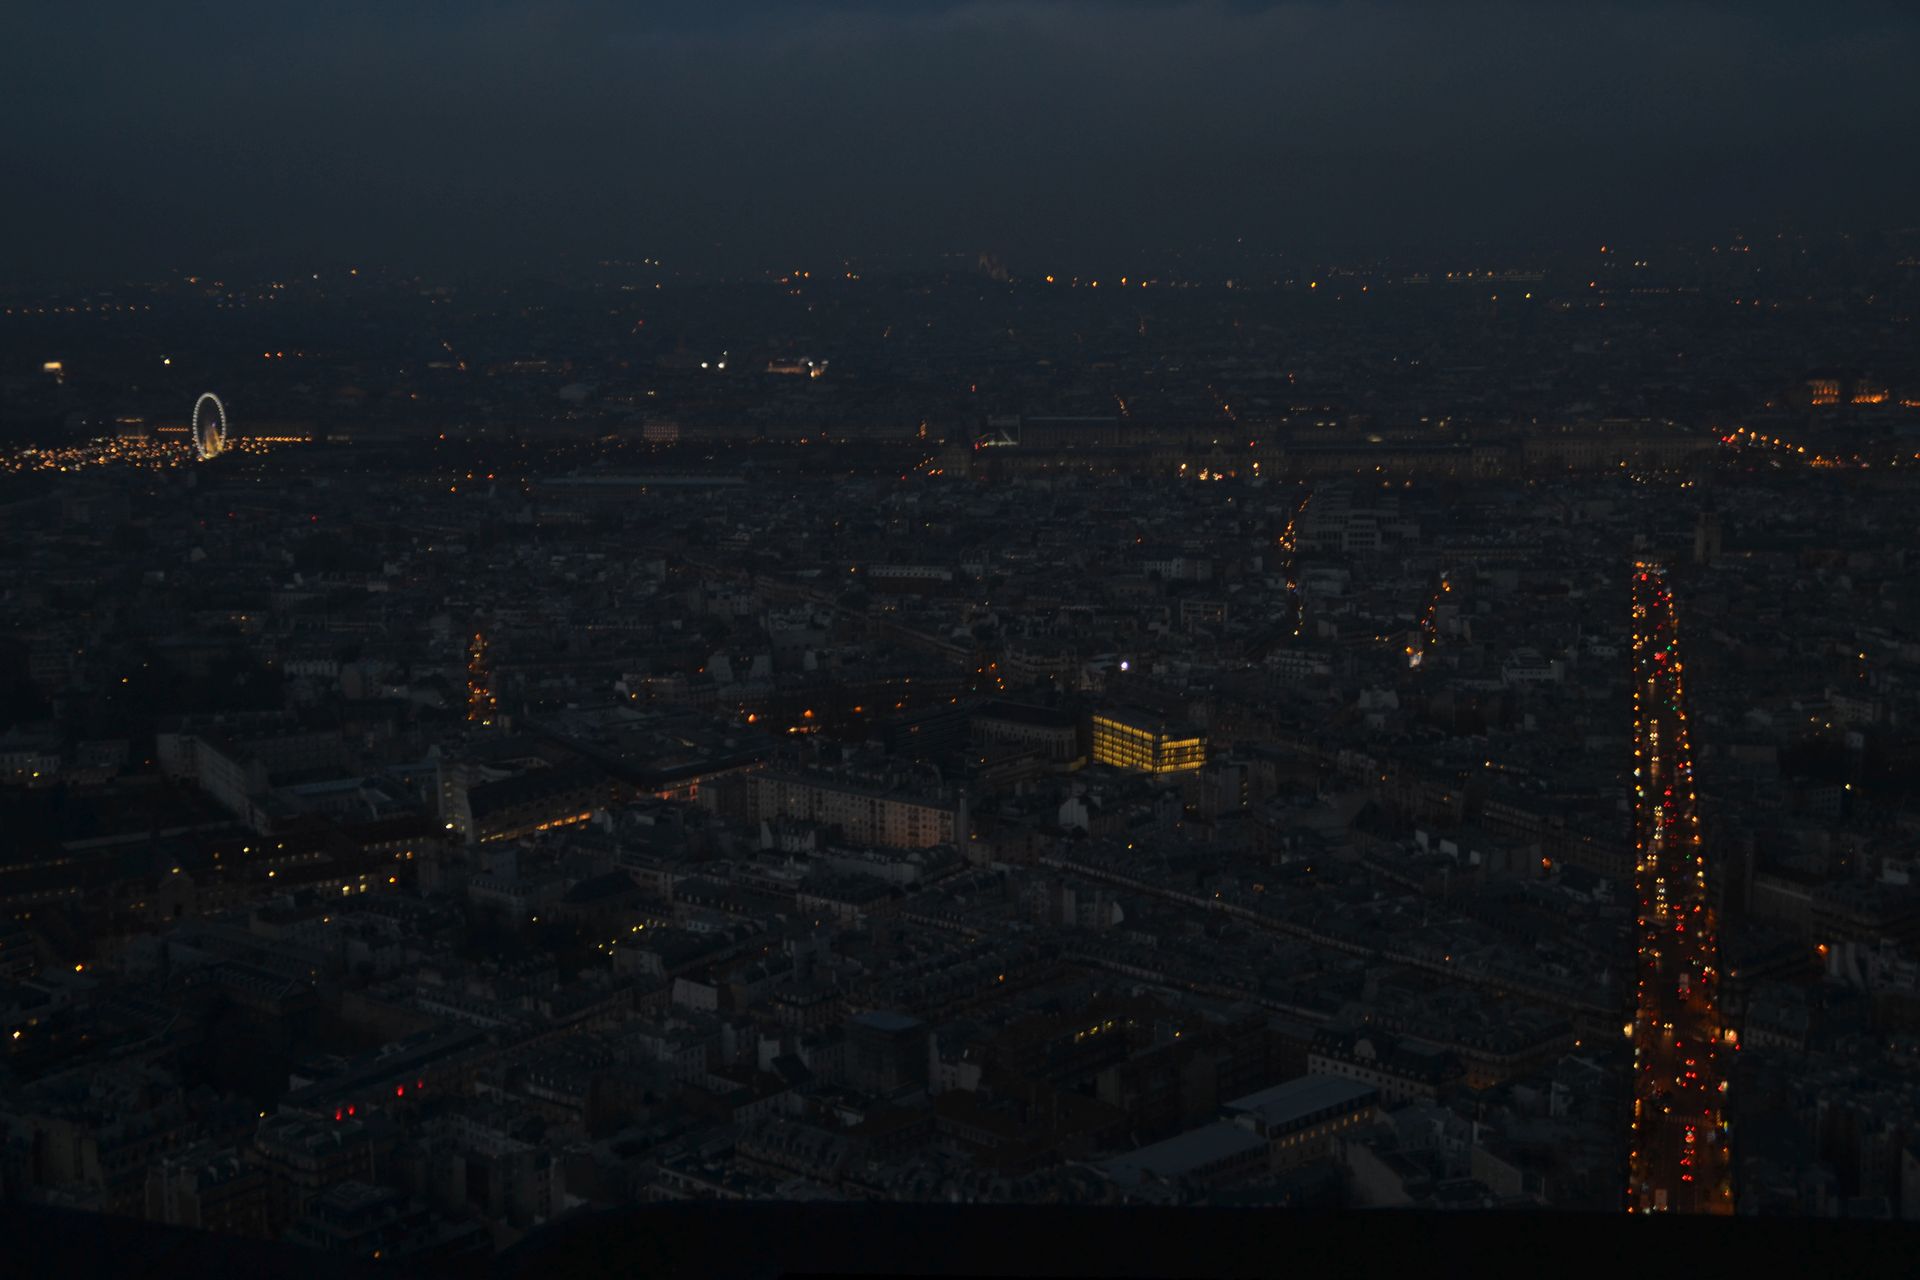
[[1093, 137]]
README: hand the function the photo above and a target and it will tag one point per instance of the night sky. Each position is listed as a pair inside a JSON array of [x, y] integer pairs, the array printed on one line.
[[142, 137]]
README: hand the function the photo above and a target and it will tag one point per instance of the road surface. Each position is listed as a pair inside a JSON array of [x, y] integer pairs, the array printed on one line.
[[1679, 1162]]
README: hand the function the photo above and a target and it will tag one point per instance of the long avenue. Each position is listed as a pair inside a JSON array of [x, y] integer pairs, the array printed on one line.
[[1679, 1159]]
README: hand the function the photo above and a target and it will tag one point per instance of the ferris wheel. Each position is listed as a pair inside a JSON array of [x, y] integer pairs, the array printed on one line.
[[209, 426]]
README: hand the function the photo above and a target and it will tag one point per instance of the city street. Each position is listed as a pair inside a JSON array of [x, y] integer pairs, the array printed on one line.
[[1680, 1157]]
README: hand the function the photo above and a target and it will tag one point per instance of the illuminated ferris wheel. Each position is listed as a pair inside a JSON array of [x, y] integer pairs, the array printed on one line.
[[209, 426]]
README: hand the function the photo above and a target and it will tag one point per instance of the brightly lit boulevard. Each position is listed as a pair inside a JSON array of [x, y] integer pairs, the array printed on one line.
[[1679, 1160]]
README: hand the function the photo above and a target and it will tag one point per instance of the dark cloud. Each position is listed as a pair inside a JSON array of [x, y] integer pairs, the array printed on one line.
[[516, 131]]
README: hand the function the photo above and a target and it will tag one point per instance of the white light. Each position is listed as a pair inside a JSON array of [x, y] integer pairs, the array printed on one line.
[[1124, 664]]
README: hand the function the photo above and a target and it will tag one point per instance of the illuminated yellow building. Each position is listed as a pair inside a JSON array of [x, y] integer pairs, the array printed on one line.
[[1138, 740]]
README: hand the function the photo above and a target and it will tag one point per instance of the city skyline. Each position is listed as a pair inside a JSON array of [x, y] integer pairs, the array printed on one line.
[[622, 626]]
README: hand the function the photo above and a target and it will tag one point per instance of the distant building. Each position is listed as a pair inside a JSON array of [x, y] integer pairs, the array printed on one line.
[[1706, 538], [480, 809], [1210, 1156], [1301, 1119], [1049, 734], [303, 1157], [361, 1220], [1132, 739], [865, 814], [1402, 1070], [886, 1052], [208, 1190]]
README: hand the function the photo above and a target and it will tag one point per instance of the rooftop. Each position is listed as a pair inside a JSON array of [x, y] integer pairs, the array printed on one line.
[[1302, 1097]]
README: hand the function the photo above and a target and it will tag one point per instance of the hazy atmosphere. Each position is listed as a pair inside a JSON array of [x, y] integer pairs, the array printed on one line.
[[742, 134]]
